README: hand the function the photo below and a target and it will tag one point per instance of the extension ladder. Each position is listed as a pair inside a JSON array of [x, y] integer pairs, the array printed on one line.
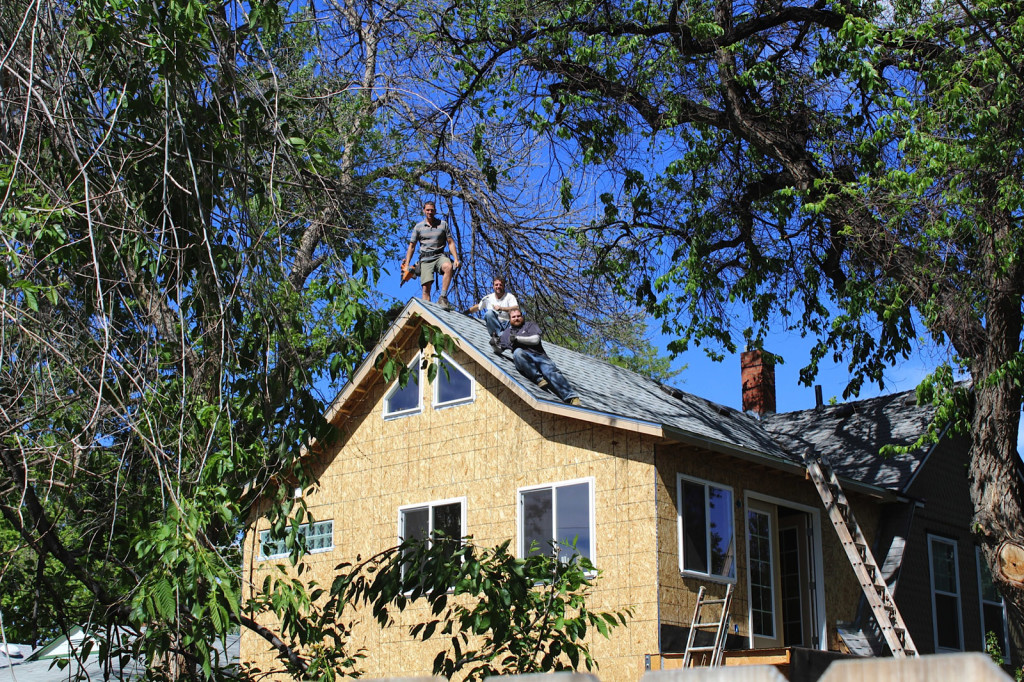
[[879, 598]]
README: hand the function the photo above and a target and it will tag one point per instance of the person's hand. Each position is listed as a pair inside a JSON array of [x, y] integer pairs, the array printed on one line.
[[455, 262]]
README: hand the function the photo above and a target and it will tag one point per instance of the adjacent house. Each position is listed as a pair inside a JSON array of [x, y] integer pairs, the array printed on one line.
[[664, 491]]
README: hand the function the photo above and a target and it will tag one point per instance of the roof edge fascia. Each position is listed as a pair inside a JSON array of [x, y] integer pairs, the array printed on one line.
[[759, 457], [367, 366], [739, 452]]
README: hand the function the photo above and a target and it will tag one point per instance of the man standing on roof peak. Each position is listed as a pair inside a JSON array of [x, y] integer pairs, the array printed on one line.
[[523, 339], [432, 234], [496, 307]]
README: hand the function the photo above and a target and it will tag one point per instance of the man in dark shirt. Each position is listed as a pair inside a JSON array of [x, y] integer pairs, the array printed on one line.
[[432, 234], [523, 339]]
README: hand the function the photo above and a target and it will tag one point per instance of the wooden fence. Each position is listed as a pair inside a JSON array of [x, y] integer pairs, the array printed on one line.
[[966, 667]]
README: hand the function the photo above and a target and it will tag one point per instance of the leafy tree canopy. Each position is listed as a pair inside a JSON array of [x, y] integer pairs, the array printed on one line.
[[848, 170], [196, 201]]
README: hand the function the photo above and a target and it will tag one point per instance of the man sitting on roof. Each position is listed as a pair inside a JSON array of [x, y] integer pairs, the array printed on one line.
[[496, 307], [523, 339]]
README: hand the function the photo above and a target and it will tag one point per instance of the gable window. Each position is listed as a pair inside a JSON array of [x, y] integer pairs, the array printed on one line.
[[561, 514], [404, 400], [993, 608], [945, 579], [319, 537], [434, 522], [706, 530], [453, 385]]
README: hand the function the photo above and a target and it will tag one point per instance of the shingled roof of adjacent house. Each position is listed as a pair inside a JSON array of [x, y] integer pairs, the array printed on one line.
[[850, 435]]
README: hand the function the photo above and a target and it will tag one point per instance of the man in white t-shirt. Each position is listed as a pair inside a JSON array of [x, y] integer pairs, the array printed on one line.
[[496, 307]]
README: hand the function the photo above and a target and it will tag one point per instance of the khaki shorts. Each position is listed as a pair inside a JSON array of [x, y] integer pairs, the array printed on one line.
[[428, 269]]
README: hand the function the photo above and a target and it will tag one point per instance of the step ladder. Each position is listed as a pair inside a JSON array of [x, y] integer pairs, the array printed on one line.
[[710, 655], [883, 606]]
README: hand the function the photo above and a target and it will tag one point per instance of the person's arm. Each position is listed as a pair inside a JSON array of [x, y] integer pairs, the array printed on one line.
[[513, 304], [478, 306], [505, 340], [453, 250], [531, 338], [408, 254]]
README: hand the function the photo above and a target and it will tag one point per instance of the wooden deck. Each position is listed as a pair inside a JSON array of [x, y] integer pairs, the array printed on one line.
[[780, 658], [796, 664]]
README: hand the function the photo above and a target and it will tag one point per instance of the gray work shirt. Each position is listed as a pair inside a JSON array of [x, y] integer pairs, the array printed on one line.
[[432, 239]]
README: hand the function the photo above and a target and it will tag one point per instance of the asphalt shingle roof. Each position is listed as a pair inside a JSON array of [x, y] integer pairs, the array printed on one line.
[[851, 434], [612, 390]]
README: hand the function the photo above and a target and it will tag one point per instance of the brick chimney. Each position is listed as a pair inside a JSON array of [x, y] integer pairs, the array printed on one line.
[[758, 374]]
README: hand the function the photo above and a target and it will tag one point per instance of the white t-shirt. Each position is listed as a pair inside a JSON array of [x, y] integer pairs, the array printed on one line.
[[507, 301]]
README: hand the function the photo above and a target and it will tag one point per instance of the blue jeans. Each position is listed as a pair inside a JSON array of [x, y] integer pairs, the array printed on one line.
[[535, 367], [495, 325]]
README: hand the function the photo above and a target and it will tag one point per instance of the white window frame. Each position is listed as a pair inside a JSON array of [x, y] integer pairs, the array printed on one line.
[[452, 367], [554, 486], [431, 506], [680, 478], [396, 387], [982, 602], [933, 539], [772, 610], [304, 531]]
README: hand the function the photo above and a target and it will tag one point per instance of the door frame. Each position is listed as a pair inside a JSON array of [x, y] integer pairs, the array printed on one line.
[[816, 570]]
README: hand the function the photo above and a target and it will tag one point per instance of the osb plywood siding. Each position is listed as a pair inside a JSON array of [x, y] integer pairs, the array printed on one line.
[[945, 510], [483, 452], [678, 592]]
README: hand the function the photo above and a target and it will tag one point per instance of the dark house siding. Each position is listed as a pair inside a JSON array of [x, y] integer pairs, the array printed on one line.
[[945, 510]]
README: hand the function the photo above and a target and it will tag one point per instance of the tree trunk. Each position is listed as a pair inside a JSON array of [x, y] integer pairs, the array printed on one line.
[[995, 467], [996, 492]]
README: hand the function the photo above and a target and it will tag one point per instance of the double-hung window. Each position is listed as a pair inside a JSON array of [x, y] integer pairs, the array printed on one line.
[[434, 523], [706, 529], [319, 537], [404, 400], [557, 517], [945, 579], [453, 385], [993, 608]]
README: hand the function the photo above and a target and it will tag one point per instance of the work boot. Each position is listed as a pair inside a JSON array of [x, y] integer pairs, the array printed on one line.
[[543, 383], [495, 344], [443, 302], [573, 401]]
